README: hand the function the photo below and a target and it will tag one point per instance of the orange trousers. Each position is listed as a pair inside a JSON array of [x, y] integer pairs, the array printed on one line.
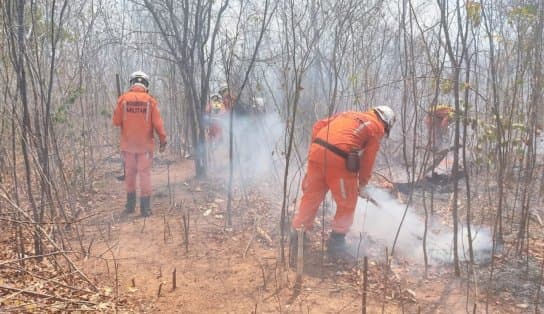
[[138, 165], [344, 187]]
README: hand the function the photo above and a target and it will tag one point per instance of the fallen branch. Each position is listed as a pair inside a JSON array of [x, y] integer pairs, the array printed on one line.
[[45, 235], [43, 295], [33, 256], [48, 223], [264, 235], [54, 281]]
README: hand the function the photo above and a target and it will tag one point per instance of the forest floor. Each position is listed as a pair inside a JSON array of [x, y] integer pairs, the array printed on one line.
[[238, 270], [135, 261]]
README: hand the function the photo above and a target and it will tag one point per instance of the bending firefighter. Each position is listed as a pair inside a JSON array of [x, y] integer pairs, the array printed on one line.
[[341, 159], [438, 121], [137, 113]]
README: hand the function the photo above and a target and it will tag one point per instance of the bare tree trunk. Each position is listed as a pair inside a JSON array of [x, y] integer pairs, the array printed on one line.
[[466, 165], [18, 56], [456, 65], [500, 147], [186, 36]]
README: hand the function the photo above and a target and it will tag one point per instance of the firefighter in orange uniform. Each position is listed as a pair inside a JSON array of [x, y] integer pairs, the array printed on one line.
[[228, 98], [215, 113], [438, 121], [341, 159], [137, 113]]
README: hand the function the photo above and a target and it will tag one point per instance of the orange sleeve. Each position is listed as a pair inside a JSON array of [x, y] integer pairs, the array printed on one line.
[[118, 113], [158, 125], [367, 160]]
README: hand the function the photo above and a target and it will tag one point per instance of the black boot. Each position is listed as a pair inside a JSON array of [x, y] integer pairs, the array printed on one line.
[[131, 203], [145, 206], [336, 243]]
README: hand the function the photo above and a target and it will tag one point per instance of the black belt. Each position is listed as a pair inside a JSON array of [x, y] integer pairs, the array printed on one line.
[[332, 148]]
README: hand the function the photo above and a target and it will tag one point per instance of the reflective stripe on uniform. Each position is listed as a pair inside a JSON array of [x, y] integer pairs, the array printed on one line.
[[361, 127], [343, 188], [124, 110]]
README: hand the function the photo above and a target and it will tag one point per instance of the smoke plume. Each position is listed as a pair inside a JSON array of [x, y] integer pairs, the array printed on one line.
[[380, 224], [257, 139]]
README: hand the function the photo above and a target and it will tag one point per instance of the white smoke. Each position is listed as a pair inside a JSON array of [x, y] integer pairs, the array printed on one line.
[[257, 140], [381, 224], [258, 144]]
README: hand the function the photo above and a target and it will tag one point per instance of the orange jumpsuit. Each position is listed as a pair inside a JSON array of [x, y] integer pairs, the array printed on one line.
[[137, 114], [215, 111], [228, 100], [327, 171]]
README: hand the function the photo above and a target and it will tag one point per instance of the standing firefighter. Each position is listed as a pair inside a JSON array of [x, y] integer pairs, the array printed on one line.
[[137, 113], [215, 114], [227, 97], [341, 159]]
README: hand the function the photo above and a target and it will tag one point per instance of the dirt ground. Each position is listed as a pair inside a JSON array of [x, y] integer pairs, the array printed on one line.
[[135, 262], [238, 269]]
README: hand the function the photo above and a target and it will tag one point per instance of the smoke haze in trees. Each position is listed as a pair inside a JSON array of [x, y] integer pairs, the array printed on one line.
[[258, 143]]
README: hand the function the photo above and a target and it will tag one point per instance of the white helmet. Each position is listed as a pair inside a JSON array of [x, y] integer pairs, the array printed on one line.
[[216, 97], [387, 115], [258, 102], [139, 78]]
